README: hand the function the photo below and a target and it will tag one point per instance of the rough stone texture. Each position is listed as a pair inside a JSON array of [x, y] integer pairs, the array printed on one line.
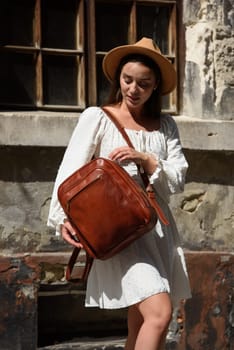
[[205, 211], [206, 217], [22, 130], [209, 314], [203, 134], [209, 90], [203, 322], [109, 343], [18, 310], [36, 128], [26, 189], [26, 183]]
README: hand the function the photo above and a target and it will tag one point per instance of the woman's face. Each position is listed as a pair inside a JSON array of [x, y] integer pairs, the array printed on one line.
[[137, 83]]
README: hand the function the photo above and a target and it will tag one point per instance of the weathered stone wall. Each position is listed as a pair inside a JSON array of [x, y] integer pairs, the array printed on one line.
[[204, 211], [209, 82], [26, 183]]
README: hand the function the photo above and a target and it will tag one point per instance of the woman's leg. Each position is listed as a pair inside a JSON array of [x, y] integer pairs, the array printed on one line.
[[135, 321], [149, 323]]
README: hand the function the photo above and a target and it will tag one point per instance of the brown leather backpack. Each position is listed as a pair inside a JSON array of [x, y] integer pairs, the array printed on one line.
[[107, 208]]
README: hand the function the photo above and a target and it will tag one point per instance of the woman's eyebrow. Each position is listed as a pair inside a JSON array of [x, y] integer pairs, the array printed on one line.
[[141, 78]]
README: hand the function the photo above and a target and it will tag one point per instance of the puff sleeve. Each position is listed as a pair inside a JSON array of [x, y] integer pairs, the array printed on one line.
[[81, 148], [169, 177]]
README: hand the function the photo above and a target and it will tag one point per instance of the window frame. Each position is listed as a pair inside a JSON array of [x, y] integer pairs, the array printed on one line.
[[87, 55], [38, 51]]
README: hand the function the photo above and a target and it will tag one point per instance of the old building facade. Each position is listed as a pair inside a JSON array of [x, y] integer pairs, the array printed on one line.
[[35, 127]]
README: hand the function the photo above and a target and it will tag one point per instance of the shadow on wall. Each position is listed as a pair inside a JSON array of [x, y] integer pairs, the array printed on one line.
[[212, 167], [30, 164]]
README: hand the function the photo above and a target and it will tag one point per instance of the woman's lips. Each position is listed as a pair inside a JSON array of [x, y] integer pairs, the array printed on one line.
[[132, 98]]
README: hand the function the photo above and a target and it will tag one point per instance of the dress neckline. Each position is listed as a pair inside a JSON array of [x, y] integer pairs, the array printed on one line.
[[134, 130], [141, 131]]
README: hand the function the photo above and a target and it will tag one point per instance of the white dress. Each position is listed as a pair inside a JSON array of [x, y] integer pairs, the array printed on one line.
[[155, 262]]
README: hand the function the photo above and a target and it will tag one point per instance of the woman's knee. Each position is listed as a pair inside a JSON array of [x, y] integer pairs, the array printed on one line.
[[163, 319], [157, 311], [160, 320]]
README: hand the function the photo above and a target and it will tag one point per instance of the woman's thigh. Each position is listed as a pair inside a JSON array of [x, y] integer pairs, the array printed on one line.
[[157, 308]]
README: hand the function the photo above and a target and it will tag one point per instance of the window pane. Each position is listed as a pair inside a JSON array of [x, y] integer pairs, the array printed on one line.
[[153, 21], [112, 25], [103, 84], [17, 76], [60, 80], [166, 102], [59, 23], [16, 22]]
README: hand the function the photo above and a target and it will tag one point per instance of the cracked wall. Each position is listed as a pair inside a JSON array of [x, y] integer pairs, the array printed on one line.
[[209, 69]]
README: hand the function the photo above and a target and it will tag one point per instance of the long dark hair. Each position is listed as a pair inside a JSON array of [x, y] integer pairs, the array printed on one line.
[[154, 104]]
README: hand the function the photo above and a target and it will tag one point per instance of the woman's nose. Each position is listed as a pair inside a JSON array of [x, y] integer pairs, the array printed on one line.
[[133, 87]]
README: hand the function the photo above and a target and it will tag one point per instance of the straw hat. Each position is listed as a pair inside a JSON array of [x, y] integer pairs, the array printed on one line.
[[147, 47]]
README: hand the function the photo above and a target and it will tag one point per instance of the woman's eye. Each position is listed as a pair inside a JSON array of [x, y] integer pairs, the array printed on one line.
[[143, 85], [127, 81]]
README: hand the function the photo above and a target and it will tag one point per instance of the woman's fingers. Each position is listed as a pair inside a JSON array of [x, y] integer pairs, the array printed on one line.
[[148, 161], [124, 153], [117, 153], [69, 235]]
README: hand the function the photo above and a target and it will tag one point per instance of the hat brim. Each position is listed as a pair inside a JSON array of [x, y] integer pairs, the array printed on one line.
[[112, 60]]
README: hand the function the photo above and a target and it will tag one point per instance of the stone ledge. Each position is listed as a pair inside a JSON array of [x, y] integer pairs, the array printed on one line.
[[89, 344], [202, 134], [50, 129], [36, 128]]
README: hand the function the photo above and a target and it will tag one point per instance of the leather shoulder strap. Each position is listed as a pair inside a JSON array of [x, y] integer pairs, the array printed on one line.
[[121, 129], [143, 174], [119, 126], [71, 263]]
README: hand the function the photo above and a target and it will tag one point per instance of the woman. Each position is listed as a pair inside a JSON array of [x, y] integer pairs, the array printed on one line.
[[149, 277]]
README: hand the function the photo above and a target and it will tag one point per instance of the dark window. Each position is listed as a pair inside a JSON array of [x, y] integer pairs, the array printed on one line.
[[51, 51]]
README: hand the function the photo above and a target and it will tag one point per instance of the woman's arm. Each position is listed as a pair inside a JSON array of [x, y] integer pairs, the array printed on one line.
[[169, 175], [81, 148]]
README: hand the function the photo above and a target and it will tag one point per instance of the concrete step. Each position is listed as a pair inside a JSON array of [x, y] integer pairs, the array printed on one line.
[[88, 344]]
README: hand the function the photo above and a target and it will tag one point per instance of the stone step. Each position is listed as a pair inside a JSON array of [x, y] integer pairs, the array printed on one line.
[[106, 343], [88, 344]]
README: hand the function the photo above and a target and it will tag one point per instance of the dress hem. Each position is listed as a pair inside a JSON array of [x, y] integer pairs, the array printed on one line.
[[121, 306]]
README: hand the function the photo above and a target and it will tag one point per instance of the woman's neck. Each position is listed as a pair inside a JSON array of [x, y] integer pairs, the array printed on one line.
[[135, 118], [136, 112]]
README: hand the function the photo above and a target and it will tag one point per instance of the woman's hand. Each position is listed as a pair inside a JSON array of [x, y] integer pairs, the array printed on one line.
[[69, 235], [146, 160]]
